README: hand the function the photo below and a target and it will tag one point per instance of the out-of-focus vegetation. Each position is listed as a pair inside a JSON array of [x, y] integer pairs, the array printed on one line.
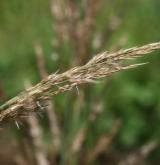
[[131, 98]]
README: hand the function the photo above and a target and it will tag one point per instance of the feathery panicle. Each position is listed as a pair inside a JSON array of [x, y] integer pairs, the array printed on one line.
[[100, 66]]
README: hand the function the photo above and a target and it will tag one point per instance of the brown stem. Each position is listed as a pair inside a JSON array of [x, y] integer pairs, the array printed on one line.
[[36, 135], [55, 130]]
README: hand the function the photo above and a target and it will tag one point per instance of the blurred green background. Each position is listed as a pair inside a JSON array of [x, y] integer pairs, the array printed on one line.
[[132, 96]]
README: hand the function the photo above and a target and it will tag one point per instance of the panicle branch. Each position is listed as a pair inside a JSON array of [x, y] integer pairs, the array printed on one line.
[[100, 66]]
